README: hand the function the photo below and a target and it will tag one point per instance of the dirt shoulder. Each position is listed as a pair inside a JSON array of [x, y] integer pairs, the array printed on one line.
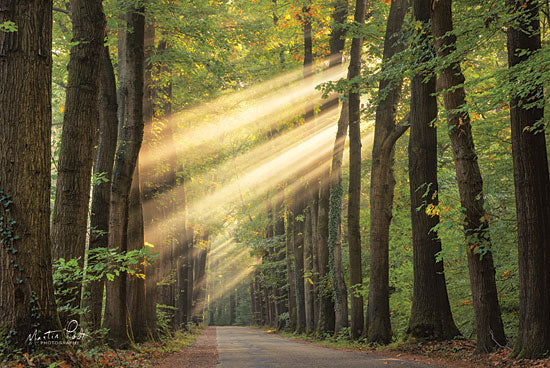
[[202, 354]]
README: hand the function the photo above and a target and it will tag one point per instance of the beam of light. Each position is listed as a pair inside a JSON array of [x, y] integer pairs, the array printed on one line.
[[218, 292], [285, 162], [258, 107], [278, 163]]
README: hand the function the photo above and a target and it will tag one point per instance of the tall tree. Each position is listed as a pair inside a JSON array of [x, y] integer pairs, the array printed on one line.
[[340, 294], [431, 316], [531, 186], [298, 247], [135, 283], [489, 327], [151, 270], [101, 192], [309, 289], [26, 296], [335, 224], [386, 133], [130, 138], [354, 233], [327, 316], [80, 124]]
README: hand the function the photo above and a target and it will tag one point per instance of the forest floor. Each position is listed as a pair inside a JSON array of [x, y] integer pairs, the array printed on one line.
[[458, 353], [145, 355]]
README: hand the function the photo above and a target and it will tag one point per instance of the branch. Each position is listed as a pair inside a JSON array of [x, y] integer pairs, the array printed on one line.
[[61, 10], [396, 133]]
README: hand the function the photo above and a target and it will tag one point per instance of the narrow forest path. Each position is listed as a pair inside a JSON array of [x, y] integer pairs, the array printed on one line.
[[241, 347]]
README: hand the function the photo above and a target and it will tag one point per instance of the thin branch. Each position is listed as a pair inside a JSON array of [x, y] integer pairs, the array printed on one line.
[[61, 10]]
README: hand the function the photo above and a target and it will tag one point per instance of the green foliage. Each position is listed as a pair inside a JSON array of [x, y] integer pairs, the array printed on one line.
[[103, 264], [8, 26]]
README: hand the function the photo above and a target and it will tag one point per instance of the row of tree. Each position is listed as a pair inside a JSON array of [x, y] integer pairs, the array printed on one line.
[[303, 247], [116, 117]]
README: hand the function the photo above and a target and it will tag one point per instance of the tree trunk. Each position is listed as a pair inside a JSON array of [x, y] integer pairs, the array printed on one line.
[[335, 222], [146, 182], [309, 292], [130, 137], [431, 316], [314, 211], [136, 284], [354, 233], [531, 186], [80, 124], [232, 308], [26, 297], [299, 262], [383, 184], [290, 269], [489, 327], [101, 192], [326, 319]]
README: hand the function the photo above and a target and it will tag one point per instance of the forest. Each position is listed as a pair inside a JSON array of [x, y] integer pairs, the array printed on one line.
[[370, 171]]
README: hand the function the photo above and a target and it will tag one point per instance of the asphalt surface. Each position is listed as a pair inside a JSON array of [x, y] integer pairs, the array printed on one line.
[[241, 347]]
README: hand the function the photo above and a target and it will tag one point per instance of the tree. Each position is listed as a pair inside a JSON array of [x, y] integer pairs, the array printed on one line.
[[130, 138], [135, 283], [431, 316], [326, 261], [80, 124], [101, 191], [531, 186], [26, 297], [489, 327], [354, 234], [340, 294], [383, 182]]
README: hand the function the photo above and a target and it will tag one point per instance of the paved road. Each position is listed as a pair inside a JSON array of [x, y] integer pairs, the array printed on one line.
[[241, 347]]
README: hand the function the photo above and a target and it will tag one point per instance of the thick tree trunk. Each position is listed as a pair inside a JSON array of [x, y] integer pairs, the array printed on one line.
[[130, 137], [136, 284], [101, 192], [431, 316], [335, 223], [80, 124], [151, 270], [383, 184], [531, 186], [354, 233], [489, 327], [26, 297]]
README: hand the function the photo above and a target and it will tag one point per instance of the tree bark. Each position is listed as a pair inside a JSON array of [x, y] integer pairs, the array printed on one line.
[[382, 187], [290, 267], [531, 186], [26, 296], [335, 223], [326, 319], [136, 284], [431, 316], [309, 292], [489, 327], [101, 192], [151, 269], [298, 247], [78, 138], [130, 138], [354, 233]]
